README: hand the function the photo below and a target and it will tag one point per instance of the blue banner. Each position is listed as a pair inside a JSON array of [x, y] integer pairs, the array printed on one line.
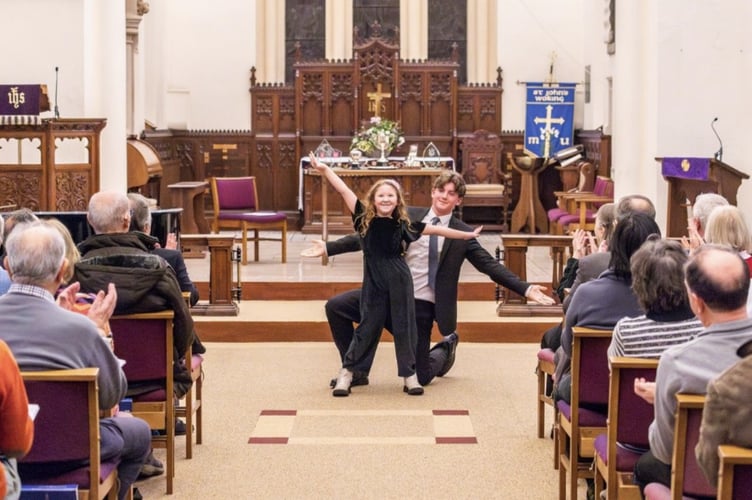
[[549, 118]]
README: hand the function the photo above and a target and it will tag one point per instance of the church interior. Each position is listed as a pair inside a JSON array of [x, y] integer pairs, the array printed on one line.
[[161, 97]]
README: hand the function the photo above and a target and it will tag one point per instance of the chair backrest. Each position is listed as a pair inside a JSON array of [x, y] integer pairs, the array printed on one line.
[[687, 479], [481, 158], [603, 186], [735, 478], [234, 193], [629, 415], [66, 429], [590, 375], [145, 342]]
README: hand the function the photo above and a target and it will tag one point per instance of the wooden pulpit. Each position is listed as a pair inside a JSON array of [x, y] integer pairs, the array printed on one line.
[[719, 178]]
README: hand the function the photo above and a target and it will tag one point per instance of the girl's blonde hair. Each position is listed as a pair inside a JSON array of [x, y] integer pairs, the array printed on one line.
[[369, 212]]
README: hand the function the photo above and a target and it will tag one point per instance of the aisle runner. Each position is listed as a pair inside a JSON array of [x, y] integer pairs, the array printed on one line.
[[363, 427]]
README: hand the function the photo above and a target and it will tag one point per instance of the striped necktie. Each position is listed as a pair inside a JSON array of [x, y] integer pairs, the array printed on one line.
[[433, 255]]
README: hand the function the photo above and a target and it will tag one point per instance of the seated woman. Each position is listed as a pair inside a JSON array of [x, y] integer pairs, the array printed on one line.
[[658, 282]]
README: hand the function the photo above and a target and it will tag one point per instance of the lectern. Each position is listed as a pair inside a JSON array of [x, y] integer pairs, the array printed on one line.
[[688, 177]]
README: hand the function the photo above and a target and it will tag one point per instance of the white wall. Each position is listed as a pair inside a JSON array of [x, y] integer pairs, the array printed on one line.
[[528, 32], [34, 44], [199, 57]]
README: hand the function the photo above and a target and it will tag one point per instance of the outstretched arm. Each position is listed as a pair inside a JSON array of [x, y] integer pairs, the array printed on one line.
[[337, 183], [454, 234]]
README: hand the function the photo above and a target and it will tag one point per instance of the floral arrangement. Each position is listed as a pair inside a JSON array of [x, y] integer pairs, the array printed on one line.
[[386, 131]]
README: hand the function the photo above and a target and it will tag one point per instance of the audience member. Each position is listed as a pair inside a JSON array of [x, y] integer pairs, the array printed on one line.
[[20, 216], [16, 427], [591, 266], [141, 221], [4, 277], [726, 225], [717, 281], [583, 244], [431, 305], [704, 204], [71, 250], [145, 282], [34, 327], [658, 283], [727, 416], [602, 302]]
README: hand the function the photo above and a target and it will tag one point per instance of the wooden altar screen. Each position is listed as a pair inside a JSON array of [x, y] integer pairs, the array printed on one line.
[[330, 100], [42, 183]]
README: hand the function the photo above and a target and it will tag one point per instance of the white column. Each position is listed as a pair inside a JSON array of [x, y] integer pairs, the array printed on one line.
[[414, 29], [270, 30], [635, 91], [481, 41], [339, 29], [105, 86]]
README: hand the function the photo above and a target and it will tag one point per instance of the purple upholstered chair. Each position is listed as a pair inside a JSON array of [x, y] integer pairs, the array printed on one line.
[[544, 371], [580, 421], [629, 417], [579, 208], [236, 206], [66, 430], [735, 479], [145, 342], [687, 479]]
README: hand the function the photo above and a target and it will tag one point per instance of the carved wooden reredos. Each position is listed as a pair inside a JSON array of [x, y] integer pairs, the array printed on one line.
[[335, 98]]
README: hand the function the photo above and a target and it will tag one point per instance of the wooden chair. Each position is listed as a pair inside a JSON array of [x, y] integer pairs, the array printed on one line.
[[192, 407], [629, 417], [735, 472], [486, 183], [235, 201], [544, 371], [145, 342], [576, 423], [687, 479], [67, 429]]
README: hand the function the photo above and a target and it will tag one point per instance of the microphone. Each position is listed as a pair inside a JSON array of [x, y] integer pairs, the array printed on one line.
[[719, 153], [57, 111]]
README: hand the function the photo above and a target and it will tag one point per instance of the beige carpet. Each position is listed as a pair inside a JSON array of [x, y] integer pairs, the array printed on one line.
[[377, 443]]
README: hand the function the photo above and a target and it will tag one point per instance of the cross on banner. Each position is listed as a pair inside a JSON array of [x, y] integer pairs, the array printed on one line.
[[549, 120], [548, 132], [375, 104]]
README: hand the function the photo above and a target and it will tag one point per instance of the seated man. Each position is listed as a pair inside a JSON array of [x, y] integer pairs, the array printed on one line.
[[718, 282], [145, 282], [141, 221], [727, 416], [35, 327]]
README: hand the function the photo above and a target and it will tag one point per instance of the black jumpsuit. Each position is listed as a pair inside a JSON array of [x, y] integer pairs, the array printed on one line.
[[387, 290]]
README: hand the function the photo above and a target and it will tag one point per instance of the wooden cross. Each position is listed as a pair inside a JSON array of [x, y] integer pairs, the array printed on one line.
[[375, 99]]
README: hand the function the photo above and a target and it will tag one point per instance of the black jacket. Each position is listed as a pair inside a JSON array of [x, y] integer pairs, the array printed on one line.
[[144, 282]]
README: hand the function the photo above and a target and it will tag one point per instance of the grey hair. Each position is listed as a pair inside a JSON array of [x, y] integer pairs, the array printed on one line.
[[35, 253], [141, 215], [106, 211], [704, 204]]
